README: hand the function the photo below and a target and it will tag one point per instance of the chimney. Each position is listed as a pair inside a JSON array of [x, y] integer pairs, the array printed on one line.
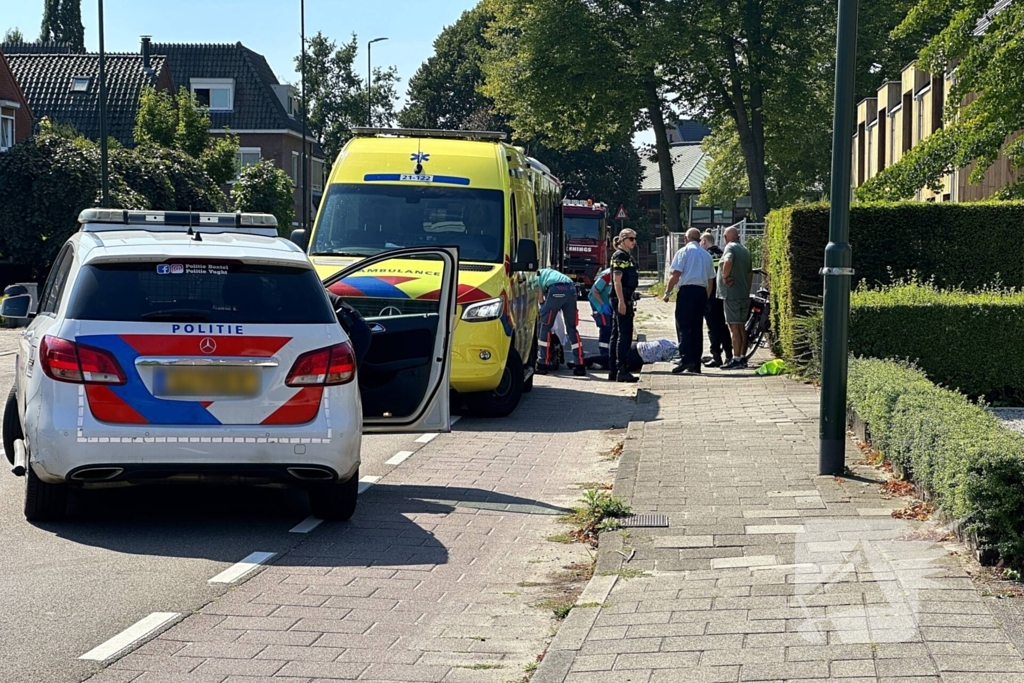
[[145, 52]]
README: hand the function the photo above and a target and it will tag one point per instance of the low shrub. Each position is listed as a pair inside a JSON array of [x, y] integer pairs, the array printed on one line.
[[964, 340], [949, 446]]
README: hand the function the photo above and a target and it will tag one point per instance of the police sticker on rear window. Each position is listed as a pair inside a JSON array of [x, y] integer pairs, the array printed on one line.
[[163, 269]]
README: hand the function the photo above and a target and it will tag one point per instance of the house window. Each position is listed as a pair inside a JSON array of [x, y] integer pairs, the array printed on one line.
[[6, 133], [80, 84], [247, 156], [295, 169], [215, 94], [316, 180], [892, 138]]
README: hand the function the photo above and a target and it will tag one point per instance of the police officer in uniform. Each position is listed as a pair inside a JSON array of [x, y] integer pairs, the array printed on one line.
[[625, 279]]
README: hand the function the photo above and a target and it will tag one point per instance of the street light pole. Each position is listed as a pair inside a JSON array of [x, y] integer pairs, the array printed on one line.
[[104, 184], [302, 68], [838, 270], [369, 82]]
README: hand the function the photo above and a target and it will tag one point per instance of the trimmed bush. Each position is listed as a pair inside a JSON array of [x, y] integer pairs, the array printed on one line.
[[941, 241], [952, 448], [963, 340]]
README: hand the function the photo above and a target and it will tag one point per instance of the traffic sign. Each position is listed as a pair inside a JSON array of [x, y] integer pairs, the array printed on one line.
[[621, 215]]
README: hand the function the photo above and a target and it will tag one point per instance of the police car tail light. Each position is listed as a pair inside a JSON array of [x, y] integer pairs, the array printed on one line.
[[485, 310], [66, 361], [323, 367]]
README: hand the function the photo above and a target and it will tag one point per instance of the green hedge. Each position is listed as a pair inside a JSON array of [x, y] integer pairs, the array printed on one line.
[[967, 245], [963, 340], [952, 448]]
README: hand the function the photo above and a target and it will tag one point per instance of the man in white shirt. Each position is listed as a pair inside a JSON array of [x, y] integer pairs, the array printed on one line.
[[694, 272]]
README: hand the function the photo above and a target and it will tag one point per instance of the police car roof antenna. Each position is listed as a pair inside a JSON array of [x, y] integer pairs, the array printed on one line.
[[419, 157], [196, 237]]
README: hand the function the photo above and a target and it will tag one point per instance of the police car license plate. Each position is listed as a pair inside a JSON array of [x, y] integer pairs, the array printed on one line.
[[197, 382]]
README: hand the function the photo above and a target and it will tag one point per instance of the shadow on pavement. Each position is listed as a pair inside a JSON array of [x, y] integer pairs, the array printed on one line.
[[576, 404], [392, 525]]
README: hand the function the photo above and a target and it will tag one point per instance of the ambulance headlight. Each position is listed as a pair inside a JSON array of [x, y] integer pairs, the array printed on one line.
[[483, 311]]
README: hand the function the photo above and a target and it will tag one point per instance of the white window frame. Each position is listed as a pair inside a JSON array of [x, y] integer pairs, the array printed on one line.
[[10, 143], [240, 159], [296, 169], [86, 80], [316, 182], [215, 84]]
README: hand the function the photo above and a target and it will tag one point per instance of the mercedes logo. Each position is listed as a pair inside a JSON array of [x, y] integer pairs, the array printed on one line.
[[390, 310], [207, 345]]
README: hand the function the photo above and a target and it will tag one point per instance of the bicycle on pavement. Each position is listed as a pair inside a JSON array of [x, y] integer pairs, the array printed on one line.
[[759, 319]]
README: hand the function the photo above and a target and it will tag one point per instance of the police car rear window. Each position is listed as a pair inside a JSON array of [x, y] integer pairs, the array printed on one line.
[[199, 291]]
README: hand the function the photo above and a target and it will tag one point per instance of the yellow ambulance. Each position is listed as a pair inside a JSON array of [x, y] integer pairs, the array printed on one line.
[[391, 189]]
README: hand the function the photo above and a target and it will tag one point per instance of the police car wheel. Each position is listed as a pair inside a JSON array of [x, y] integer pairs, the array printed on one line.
[[335, 502], [501, 401], [11, 424], [44, 502]]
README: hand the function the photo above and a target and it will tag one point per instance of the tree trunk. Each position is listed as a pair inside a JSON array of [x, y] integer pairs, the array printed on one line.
[[751, 133], [669, 200]]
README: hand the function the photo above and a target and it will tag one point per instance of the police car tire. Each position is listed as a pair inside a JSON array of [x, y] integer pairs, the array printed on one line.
[[11, 424], [489, 404], [335, 502], [44, 502]]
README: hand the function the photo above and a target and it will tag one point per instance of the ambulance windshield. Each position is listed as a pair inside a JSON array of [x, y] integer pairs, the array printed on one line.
[[362, 220]]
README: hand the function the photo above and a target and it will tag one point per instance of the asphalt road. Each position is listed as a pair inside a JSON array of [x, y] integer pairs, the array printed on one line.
[[126, 553]]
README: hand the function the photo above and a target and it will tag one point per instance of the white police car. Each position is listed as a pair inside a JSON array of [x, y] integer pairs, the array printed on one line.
[[173, 346]]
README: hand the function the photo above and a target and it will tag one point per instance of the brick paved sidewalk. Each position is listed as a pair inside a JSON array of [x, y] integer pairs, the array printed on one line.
[[441, 575], [768, 572]]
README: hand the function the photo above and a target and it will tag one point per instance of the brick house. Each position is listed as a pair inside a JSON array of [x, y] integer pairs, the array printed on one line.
[[15, 112], [245, 98], [64, 86]]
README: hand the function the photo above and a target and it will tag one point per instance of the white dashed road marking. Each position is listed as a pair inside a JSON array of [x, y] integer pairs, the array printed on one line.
[[306, 525], [398, 458], [367, 482], [130, 635], [426, 438], [240, 569]]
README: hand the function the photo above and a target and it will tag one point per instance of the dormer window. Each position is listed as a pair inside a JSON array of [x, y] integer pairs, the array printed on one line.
[[80, 84], [215, 94]]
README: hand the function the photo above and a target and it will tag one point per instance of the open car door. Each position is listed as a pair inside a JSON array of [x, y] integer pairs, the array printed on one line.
[[408, 298]]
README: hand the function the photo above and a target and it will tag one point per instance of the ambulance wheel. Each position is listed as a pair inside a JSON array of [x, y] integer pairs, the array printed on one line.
[[44, 502], [335, 502], [503, 399], [11, 424], [528, 384]]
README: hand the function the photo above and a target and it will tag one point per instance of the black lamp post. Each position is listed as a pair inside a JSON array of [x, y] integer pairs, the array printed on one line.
[[302, 68], [838, 270], [104, 184], [369, 83]]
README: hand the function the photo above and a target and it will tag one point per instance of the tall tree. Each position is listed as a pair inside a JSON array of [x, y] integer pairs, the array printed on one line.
[[984, 107], [336, 94], [583, 73], [445, 93], [62, 23], [14, 36]]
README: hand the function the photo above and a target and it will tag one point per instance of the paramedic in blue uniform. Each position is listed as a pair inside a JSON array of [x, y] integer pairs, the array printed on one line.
[[558, 295], [625, 279], [601, 309]]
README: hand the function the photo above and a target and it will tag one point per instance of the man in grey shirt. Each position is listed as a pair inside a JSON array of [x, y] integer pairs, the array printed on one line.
[[734, 271]]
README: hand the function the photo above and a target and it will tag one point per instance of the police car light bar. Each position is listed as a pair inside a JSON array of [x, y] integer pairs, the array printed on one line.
[[99, 220], [497, 136]]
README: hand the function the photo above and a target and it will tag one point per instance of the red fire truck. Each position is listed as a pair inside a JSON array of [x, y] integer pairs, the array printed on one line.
[[585, 231]]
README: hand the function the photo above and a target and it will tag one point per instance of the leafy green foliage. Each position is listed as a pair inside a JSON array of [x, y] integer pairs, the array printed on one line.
[[14, 36], [336, 93], [264, 188], [58, 163], [951, 447], [178, 122], [889, 242], [599, 512], [62, 23], [727, 173], [985, 104]]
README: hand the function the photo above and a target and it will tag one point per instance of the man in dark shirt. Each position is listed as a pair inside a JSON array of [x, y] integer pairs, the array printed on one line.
[[714, 315], [625, 279]]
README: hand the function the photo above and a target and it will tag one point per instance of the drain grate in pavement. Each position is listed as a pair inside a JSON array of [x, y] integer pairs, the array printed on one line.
[[645, 521]]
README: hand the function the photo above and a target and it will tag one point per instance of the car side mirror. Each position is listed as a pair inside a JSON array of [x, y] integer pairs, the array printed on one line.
[[15, 307], [298, 236], [526, 256]]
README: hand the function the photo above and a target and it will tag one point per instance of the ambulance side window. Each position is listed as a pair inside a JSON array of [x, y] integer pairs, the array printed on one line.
[[514, 224]]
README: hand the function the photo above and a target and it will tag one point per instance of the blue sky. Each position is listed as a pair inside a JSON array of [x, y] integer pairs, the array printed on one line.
[[268, 27]]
